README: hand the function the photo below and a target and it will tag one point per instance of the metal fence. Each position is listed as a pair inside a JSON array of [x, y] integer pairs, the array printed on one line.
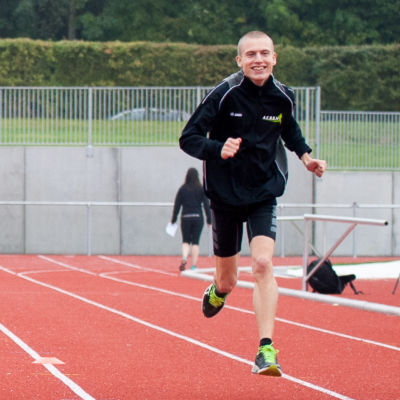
[[123, 116], [360, 140], [286, 223], [95, 116], [110, 116]]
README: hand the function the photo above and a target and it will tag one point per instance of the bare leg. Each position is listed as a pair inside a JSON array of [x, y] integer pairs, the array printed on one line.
[[185, 254], [226, 273], [195, 254], [185, 250], [265, 295]]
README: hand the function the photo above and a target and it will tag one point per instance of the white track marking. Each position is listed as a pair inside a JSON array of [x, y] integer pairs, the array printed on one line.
[[242, 310], [343, 335], [7, 270], [324, 298], [61, 264], [179, 336], [105, 275], [143, 286], [51, 368], [127, 264]]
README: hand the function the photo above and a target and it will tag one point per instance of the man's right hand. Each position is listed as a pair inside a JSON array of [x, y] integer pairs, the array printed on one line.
[[230, 147]]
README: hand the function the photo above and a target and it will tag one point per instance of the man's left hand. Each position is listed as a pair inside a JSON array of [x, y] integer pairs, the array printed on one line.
[[318, 167]]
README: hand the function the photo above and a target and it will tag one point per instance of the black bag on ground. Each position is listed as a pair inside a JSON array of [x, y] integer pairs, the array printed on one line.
[[326, 281]]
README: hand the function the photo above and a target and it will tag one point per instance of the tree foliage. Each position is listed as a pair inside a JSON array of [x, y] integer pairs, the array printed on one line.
[[350, 77], [298, 23]]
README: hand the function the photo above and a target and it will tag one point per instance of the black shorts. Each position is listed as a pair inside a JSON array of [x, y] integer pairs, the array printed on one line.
[[191, 229], [228, 222]]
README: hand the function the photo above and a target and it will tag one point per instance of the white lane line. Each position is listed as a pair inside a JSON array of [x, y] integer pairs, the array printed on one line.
[[127, 264], [51, 368], [179, 336], [324, 298], [7, 270], [61, 264], [343, 335], [106, 275], [243, 310], [113, 260]]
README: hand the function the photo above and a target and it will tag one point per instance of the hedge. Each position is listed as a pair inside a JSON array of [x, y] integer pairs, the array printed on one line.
[[351, 78]]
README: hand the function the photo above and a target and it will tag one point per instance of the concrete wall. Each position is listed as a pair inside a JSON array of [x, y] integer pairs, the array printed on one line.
[[153, 174]]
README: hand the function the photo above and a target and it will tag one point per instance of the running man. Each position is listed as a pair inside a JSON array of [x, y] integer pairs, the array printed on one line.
[[237, 131]]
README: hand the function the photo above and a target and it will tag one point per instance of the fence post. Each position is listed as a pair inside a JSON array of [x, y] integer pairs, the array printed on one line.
[[89, 151], [198, 96], [89, 229], [355, 205], [1, 111], [304, 284], [317, 120]]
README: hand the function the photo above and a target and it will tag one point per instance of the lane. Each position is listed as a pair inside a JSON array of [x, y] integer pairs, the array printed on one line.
[[20, 376], [358, 360], [185, 318], [118, 276], [150, 361], [373, 322], [353, 325], [287, 310], [48, 363]]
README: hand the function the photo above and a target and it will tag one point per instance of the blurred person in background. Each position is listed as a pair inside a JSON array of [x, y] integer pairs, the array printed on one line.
[[191, 198]]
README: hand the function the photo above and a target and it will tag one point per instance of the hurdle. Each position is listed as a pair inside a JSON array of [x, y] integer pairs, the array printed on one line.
[[206, 274], [353, 221]]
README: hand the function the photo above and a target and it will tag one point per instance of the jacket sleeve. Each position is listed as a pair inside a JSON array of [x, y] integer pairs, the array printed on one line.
[[194, 139], [293, 137], [177, 207], [291, 133]]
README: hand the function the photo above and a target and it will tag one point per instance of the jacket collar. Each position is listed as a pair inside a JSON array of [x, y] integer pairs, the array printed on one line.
[[253, 88]]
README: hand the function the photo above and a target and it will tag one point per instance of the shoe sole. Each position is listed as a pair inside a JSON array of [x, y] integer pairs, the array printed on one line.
[[272, 370]]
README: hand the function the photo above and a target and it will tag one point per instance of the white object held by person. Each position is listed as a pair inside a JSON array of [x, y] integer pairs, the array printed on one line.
[[171, 228]]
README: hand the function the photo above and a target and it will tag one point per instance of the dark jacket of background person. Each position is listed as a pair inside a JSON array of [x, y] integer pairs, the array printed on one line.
[[191, 199]]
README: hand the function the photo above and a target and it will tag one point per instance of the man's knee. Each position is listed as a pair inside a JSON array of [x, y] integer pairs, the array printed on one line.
[[262, 267]]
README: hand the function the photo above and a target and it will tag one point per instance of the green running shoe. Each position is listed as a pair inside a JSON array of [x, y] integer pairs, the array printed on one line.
[[212, 304], [267, 362]]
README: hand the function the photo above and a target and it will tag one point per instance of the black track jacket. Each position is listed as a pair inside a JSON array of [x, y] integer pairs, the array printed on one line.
[[260, 116]]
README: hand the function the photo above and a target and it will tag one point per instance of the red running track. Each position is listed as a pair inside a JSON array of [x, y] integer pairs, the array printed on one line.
[[126, 327]]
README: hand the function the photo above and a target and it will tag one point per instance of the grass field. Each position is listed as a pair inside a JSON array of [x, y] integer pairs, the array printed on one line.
[[81, 132], [345, 145]]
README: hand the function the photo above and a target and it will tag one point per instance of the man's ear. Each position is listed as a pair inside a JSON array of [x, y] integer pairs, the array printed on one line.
[[239, 61]]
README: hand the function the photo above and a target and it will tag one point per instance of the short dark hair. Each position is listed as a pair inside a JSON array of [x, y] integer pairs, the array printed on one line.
[[252, 35]]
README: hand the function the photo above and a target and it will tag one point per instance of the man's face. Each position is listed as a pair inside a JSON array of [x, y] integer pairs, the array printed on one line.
[[257, 59]]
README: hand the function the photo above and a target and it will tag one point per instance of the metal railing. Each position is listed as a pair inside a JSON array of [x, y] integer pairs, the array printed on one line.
[[125, 116], [95, 116], [353, 222], [284, 217], [112, 116], [352, 210], [360, 140]]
